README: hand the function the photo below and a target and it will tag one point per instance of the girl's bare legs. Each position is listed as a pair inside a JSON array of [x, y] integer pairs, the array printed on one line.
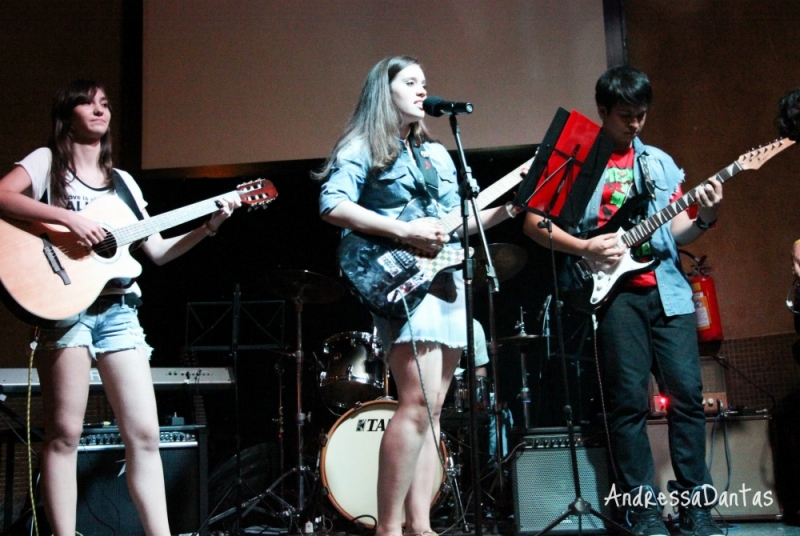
[[405, 472], [418, 499], [64, 377], [128, 384]]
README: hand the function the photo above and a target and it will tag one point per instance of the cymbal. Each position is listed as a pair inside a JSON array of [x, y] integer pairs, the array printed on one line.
[[308, 287], [521, 339], [508, 260]]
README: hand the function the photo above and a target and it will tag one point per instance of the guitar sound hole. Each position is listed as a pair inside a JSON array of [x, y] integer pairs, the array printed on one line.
[[107, 248]]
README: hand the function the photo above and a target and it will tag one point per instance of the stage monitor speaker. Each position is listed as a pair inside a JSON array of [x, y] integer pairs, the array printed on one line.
[[105, 507], [543, 488], [751, 466]]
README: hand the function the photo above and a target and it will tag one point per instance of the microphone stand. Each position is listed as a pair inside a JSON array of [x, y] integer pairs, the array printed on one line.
[[468, 190]]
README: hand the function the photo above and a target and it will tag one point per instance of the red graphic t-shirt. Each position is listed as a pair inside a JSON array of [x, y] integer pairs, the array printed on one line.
[[617, 184]]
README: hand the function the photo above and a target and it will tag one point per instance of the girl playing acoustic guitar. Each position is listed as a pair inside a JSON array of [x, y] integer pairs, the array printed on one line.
[[71, 172]]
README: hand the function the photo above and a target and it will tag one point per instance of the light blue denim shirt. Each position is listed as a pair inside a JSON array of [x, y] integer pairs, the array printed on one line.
[[673, 287], [390, 191]]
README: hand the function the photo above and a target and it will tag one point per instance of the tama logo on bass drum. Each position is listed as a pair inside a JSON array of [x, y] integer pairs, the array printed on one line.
[[372, 425]]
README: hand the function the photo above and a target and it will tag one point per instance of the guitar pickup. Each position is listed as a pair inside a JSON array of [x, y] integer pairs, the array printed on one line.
[[52, 259]]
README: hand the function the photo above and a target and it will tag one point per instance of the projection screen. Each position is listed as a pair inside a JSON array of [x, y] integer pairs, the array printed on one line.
[[246, 81]]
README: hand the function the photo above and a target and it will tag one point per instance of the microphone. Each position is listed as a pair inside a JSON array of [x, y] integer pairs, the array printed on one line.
[[437, 106]]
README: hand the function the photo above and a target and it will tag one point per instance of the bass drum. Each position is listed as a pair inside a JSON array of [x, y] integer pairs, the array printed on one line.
[[349, 461]]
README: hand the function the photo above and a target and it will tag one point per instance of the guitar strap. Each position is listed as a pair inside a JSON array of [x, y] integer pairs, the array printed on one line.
[[648, 180], [424, 164], [120, 187], [125, 194]]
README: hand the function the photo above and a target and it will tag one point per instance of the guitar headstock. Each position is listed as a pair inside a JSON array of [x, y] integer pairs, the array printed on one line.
[[757, 157], [257, 193]]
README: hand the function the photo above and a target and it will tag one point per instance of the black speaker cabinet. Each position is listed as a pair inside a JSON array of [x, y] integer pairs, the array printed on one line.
[[105, 507], [751, 491], [543, 488]]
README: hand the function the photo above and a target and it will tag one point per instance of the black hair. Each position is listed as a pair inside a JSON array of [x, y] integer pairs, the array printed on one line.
[[788, 120], [62, 136], [623, 84]]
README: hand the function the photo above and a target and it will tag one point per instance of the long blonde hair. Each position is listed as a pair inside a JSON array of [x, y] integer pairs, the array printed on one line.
[[375, 119]]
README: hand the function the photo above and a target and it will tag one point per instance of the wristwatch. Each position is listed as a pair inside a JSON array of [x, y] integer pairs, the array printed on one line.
[[704, 226]]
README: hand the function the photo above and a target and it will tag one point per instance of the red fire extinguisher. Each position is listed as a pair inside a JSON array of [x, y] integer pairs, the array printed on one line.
[[704, 297]]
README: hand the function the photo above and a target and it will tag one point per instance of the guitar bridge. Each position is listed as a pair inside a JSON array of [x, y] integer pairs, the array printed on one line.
[[52, 260], [406, 288]]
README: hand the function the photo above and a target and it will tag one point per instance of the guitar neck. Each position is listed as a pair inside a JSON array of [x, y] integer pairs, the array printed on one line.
[[150, 226], [453, 220], [646, 228]]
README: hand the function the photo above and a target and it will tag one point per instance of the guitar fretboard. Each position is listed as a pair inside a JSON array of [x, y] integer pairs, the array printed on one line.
[[649, 226], [150, 226], [453, 221], [752, 160]]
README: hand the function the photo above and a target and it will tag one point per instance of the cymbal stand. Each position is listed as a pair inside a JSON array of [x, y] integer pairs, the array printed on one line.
[[279, 419], [301, 417], [497, 412], [525, 392], [289, 511]]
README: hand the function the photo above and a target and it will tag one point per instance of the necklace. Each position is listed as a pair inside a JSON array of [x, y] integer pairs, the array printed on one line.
[[622, 160], [96, 184]]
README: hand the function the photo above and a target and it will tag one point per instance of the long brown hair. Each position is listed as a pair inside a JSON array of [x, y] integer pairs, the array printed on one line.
[[62, 136], [375, 119]]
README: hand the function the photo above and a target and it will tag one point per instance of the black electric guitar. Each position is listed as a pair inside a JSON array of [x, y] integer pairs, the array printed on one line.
[[384, 273], [598, 280], [48, 276]]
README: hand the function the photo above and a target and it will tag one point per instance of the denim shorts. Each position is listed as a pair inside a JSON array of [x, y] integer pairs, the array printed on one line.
[[108, 325]]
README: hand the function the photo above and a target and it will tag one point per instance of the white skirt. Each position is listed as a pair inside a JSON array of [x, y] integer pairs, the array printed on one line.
[[440, 317]]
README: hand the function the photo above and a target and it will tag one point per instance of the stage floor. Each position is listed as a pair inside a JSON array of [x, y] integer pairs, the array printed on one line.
[[772, 528]]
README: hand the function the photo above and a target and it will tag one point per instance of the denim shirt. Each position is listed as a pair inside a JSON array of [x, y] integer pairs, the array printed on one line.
[[673, 286], [389, 191]]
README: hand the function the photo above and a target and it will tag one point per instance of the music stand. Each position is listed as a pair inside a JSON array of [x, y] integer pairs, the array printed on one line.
[[208, 326], [567, 168]]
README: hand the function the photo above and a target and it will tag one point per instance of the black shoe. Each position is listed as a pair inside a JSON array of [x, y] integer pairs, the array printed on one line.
[[646, 522], [696, 521]]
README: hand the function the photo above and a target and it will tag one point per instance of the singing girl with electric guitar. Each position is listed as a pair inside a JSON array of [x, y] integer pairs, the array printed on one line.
[[384, 162], [53, 186]]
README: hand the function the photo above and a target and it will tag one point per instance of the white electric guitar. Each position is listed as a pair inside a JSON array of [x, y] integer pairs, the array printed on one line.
[[598, 280]]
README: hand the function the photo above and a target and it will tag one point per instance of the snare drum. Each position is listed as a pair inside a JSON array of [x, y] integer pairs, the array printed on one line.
[[349, 461], [354, 369]]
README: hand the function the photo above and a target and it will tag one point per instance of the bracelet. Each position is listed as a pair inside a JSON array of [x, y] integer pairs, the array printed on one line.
[[209, 230], [702, 225], [510, 210]]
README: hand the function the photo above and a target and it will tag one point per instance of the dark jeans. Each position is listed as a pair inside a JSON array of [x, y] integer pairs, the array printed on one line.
[[636, 338]]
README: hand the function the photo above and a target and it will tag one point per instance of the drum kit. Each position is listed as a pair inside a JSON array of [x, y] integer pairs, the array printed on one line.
[[354, 385]]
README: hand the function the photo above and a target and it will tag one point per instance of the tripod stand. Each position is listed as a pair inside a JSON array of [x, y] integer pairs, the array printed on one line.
[[569, 164], [579, 507], [300, 287]]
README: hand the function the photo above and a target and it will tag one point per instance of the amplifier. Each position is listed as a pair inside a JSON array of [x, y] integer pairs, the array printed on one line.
[[104, 503], [543, 488], [751, 491], [715, 397]]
